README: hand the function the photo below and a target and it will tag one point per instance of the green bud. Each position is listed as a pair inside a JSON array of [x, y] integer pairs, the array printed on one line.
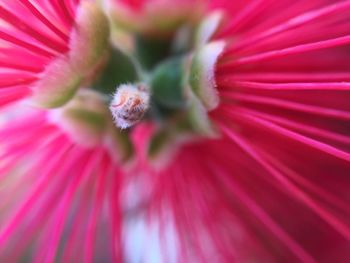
[[86, 119], [88, 48], [202, 74]]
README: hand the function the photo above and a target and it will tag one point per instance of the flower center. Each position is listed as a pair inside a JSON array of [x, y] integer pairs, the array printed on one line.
[[165, 77]]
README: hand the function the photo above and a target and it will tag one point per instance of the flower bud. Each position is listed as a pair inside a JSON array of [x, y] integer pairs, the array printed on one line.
[[87, 122], [56, 85], [89, 39], [202, 74], [129, 104], [87, 49]]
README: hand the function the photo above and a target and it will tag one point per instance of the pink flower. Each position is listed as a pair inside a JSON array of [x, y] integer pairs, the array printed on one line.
[[62, 173], [43, 44], [231, 130], [274, 186]]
